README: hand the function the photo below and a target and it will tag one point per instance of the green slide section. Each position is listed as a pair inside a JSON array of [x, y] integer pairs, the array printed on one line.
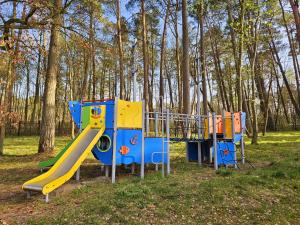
[[52, 161]]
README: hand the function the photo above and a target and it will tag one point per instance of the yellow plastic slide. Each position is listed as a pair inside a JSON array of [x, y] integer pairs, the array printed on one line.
[[68, 164]]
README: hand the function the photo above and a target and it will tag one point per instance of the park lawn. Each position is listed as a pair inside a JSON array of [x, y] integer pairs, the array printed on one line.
[[266, 194]]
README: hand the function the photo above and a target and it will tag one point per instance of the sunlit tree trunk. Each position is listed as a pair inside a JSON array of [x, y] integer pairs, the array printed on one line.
[[293, 51], [295, 7], [185, 59], [47, 137], [27, 65], [202, 59], [177, 55], [120, 45], [145, 56], [162, 55], [283, 73], [11, 76]]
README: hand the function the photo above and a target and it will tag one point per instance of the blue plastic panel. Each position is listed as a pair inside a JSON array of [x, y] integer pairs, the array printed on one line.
[[75, 110], [192, 151], [237, 137], [154, 150], [129, 138], [192, 148], [133, 140], [105, 157], [226, 152]]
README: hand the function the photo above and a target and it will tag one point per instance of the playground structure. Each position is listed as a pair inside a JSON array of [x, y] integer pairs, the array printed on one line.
[[119, 132]]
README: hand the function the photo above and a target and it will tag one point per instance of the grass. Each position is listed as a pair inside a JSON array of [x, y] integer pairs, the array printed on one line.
[[266, 194]]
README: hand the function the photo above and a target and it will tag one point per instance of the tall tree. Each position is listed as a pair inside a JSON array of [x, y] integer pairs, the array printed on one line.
[[37, 80], [240, 55], [295, 7], [11, 75], [120, 45], [185, 59], [293, 51], [47, 136], [276, 58], [162, 55], [202, 58], [145, 56]]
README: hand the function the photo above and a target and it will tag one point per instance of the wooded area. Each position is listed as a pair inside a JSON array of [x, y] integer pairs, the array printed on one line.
[[243, 54]]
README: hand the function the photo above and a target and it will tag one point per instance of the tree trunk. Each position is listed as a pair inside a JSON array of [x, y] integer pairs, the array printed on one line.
[[27, 91], [37, 83], [151, 75], [185, 59], [120, 45], [145, 56], [168, 76], [162, 56], [278, 61], [280, 92], [11, 76], [295, 8], [233, 42], [240, 56], [293, 51], [202, 59], [47, 137], [218, 71], [178, 67]]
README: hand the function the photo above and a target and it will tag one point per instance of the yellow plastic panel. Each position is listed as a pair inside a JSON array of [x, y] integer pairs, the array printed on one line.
[[129, 114], [228, 125], [97, 116], [208, 130]]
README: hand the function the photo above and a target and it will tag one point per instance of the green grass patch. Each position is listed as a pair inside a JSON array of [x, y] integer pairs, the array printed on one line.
[[269, 193]]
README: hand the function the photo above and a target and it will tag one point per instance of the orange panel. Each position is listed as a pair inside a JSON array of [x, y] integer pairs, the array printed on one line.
[[237, 122], [219, 125]]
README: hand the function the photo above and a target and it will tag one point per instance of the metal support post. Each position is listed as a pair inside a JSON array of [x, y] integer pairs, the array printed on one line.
[[156, 124], [168, 141], [134, 85], [80, 124], [47, 198], [199, 120], [199, 142], [114, 159], [242, 146], [147, 124], [208, 131], [199, 153], [156, 133], [163, 145], [186, 136], [215, 141], [28, 194], [132, 168], [106, 171], [77, 176], [224, 123], [143, 142], [233, 134]]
